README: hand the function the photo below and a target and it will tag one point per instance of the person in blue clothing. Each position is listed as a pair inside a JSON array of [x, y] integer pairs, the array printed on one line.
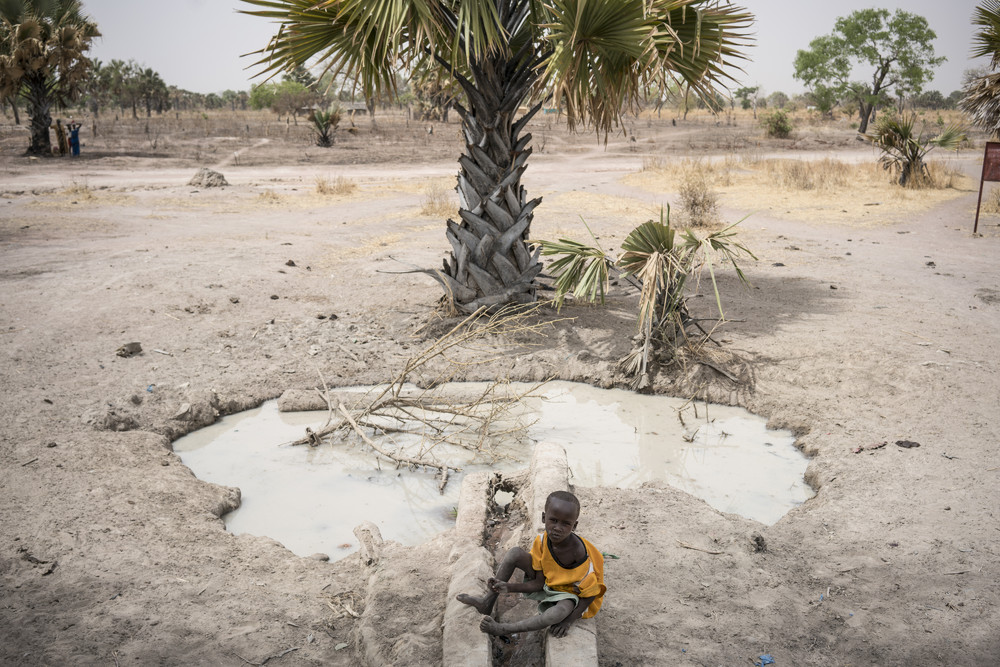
[[74, 137]]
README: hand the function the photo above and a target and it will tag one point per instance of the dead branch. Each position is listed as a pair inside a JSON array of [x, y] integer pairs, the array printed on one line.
[[694, 548], [389, 455]]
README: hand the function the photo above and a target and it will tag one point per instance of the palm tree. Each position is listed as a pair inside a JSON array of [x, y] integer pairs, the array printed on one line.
[[904, 147], [982, 95], [42, 47], [594, 57]]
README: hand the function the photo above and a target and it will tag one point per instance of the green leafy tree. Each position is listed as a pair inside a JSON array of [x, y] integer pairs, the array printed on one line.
[[290, 97], [777, 100], [262, 95], [896, 48], [824, 98], [747, 96], [43, 46], [594, 58]]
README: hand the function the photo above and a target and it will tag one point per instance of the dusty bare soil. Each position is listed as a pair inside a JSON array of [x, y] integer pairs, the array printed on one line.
[[858, 330]]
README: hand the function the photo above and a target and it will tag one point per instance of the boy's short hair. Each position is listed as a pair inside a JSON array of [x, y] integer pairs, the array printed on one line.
[[564, 496]]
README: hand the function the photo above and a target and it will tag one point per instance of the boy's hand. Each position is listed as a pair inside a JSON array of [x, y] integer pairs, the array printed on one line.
[[561, 628], [497, 586]]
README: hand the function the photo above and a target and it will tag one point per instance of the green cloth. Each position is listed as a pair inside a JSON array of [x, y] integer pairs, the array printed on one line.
[[548, 597]]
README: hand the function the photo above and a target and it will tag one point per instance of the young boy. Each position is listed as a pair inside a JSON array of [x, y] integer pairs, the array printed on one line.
[[563, 572]]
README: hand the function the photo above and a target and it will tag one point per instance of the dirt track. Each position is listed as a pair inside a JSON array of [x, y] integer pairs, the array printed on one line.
[[858, 332]]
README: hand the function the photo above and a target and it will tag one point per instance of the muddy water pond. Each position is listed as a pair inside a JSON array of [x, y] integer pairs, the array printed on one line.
[[310, 498]]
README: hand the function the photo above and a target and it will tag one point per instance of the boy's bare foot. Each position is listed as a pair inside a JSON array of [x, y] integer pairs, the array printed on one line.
[[489, 626], [483, 605]]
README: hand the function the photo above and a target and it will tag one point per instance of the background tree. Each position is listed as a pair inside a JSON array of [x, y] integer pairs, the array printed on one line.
[[777, 100], [152, 91], [42, 58], [290, 97], [897, 49], [981, 95], [595, 58], [747, 95]]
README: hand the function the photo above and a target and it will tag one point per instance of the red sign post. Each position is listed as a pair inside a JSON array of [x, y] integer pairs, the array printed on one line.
[[991, 172]]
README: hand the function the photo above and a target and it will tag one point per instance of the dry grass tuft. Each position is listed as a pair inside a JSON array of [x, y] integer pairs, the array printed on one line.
[[339, 185], [943, 176], [438, 201], [698, 203], [825, 174], [79, 190], [270, 197]]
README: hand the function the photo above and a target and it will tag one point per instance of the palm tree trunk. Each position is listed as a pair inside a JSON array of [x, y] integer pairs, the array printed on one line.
[[490, 262], [13, 107], [36, 95]]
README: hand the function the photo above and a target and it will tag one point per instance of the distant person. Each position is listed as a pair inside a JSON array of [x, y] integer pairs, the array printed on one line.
[[74, 136], [563, 572]]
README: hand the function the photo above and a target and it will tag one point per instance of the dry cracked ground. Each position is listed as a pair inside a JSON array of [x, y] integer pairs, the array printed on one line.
[[872, 318]]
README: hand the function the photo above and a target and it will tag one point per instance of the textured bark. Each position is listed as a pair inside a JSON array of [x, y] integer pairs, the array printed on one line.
[[38, 102], [490, 262]]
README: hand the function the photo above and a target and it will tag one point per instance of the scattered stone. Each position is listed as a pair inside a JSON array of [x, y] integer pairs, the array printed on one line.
[[136, 399], [183, 411], [318, 556], [129, 350], [907, 444], [757, 543], [290, 262], [778, 264], [207, 178], [274, 297], [234, 299]]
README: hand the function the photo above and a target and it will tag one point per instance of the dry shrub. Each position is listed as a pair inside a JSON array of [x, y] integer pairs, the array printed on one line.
[[698, 202], [79, 190], [438, 202], [991, 202], [339, 185], [269, 197]]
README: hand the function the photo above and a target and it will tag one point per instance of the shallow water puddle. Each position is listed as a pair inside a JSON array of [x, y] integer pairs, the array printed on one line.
[[310, 499]]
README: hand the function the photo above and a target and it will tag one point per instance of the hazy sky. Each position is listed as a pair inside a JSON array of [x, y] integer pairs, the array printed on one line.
[[197, 44]]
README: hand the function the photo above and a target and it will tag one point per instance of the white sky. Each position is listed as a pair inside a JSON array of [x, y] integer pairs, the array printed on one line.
[[196, 44]]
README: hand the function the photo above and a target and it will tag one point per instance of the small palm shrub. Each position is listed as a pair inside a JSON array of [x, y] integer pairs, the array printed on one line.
[[658, 261], [777, 124], [324, 125], [903, 147]]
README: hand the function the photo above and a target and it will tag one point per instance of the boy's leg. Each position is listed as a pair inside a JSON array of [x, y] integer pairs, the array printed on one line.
[[516, 558], [550, 616]]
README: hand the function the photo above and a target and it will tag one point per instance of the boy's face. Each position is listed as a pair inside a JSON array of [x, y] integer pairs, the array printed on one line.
[[560, 518]]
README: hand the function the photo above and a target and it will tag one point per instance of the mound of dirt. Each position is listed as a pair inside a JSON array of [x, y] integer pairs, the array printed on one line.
[[207, 178]]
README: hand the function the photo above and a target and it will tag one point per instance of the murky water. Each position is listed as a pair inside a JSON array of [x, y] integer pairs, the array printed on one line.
[[310, 499]]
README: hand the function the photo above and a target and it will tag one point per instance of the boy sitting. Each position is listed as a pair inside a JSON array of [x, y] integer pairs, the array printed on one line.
[[563, 572]]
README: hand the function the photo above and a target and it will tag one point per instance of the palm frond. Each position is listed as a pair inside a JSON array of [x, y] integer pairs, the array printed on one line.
[[986, 41], [581, 270]]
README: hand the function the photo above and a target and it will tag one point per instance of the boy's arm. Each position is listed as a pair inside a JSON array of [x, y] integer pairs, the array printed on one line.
[[562, 627], [529, 586]]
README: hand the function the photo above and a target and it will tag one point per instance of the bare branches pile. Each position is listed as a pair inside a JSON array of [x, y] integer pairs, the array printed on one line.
[[421, 428]]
